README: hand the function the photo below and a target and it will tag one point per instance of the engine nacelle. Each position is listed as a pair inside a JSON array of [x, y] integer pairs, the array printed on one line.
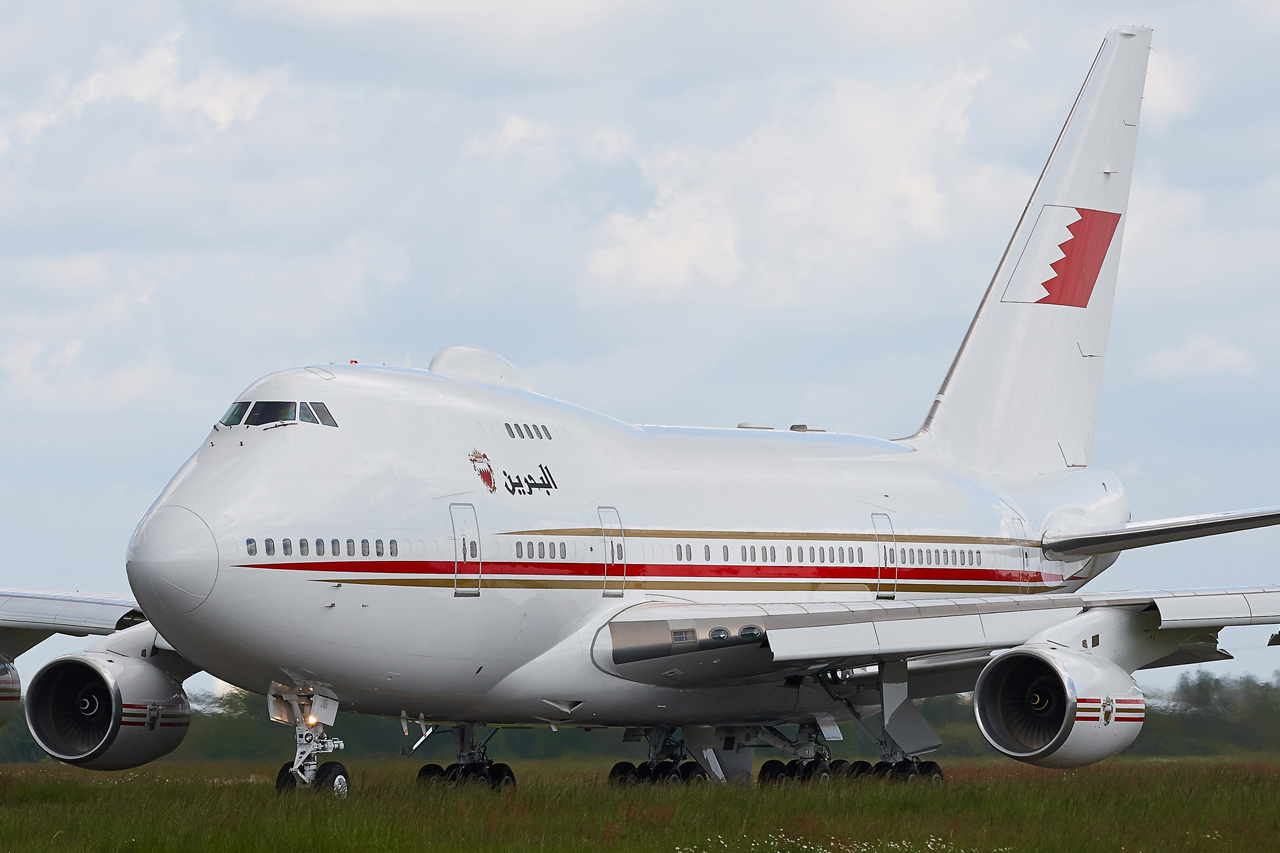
[[105, 711], [10, 690], [1057, 709]]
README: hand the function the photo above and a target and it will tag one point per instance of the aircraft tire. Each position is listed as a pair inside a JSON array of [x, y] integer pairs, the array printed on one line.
[[622, 774], [693, 774], [430, 773], [285, 780], [817, 772], [502, 778], [858, 769], [882, 769], [772, 772], [333, 777], [667, 773], [931, 772], [839, 768]]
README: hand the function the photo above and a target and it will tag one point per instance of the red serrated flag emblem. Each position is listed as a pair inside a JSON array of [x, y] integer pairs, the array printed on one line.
[[1063, 257]]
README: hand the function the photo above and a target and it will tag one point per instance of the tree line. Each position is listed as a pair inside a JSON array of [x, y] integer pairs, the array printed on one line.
[[1203, 715]]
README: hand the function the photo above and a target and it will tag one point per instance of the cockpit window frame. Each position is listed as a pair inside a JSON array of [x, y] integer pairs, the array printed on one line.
[[235, 413], [271, 412]]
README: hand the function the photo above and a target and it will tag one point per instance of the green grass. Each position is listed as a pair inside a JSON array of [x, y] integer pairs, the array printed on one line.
[[1132, 805]]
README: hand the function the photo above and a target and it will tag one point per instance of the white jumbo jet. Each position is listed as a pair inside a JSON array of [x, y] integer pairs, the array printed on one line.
[[451, 548]]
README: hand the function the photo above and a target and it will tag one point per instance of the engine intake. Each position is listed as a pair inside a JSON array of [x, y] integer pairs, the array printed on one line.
[[104, 711], [1057, 709]]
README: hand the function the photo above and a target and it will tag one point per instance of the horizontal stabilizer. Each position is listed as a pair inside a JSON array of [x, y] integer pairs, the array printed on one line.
[[1077, 545]]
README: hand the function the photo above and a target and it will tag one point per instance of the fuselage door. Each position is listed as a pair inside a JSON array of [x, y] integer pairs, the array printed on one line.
[[1022, 561], [467, 557], [615, 557], [886, 556]]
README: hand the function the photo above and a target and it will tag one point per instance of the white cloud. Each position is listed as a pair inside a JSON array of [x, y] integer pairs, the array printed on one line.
[[1202, 355], [155, 78], [1172, 89], [825, 194], [516, 132]]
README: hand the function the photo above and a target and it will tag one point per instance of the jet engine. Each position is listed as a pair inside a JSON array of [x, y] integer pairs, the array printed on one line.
[[105, 711], [10, 690], [1055, 708]]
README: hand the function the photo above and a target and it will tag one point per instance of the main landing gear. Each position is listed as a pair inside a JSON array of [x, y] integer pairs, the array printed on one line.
[[664, 767], [473, 766], [775, 772]]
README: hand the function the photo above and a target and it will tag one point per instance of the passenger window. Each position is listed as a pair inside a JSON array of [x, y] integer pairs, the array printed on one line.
[[840, 552], [530, 550], [953, 558], [979, 558], [620, 557], [810, 553], [773, 554], [377, 547], [753, 553], [269, 413], [799, 553], [911, 555], [519, 431], [235, 414], [859, 555], [351, 547], [546, 432], [551, 550], [364, 547], [679, 553], [304, 414], [303, 548], [519, 551], [510, 433], [971, 558], [319, 547], [322, 412], [822, 555], [744, 553], [936, 561], [528, 431], [395, 549], [271, 547], [542, 551], [706, 553], [335, 548], [251, 547], [473, 549], [562, 552], [726, 553], [788, 553], [831, 555]]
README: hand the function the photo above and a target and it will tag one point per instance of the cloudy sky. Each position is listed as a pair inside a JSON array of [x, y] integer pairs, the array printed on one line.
[[671, 212]]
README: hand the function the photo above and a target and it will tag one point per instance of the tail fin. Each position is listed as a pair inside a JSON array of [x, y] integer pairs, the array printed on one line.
[[1022, 394]]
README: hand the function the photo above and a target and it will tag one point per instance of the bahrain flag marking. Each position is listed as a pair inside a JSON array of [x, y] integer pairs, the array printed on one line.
[[1061, 261]]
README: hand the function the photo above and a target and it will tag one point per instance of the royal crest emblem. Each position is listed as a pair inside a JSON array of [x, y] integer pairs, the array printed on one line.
[[480, 462], [1108, 710]]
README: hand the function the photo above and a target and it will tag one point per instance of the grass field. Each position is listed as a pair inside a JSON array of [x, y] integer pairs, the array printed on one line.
[[225, 806]]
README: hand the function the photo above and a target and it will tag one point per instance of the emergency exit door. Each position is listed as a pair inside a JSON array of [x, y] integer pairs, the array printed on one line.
[[615, 555], [468, 559]]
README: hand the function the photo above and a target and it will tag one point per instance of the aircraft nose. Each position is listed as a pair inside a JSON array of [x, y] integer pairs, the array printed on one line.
[[173, 560]]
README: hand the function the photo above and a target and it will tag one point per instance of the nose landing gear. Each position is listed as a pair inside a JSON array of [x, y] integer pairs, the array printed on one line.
[[309, 713]]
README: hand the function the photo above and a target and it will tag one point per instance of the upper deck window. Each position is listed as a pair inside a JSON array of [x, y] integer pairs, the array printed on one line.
[[322, 412], [235, 414], [265, 412]]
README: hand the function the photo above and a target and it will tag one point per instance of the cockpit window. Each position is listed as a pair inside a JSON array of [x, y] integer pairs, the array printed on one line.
[[268, 413], [322, 411], [235, 414], [304, 414]]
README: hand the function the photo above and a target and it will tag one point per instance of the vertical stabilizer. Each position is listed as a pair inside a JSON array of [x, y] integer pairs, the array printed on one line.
[[1022, 394]]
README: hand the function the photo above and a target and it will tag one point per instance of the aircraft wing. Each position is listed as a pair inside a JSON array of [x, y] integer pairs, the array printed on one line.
[[689, 645], [1068, 546], [28, 617]]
